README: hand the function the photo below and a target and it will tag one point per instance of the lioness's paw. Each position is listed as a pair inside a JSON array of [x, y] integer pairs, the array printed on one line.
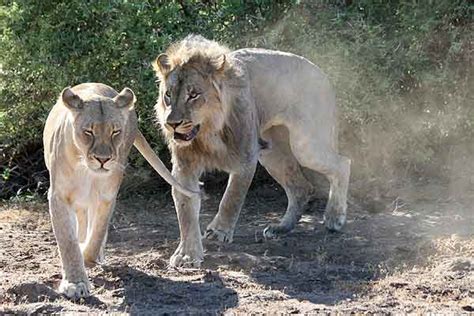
[[89, 263], [334, 221], [187, 259], [219, 234], [74, 290]]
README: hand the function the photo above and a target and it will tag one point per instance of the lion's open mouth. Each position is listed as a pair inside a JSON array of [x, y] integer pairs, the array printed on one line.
[[188, 136]]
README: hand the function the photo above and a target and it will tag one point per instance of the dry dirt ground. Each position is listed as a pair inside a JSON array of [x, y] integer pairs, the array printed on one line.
[[408, 255]]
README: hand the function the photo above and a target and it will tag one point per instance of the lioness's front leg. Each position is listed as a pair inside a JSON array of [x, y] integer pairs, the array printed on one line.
[[189, 251], [74, 282], [223, 225]]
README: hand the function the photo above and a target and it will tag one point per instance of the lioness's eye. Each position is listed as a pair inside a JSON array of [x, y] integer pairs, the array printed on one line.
[[88, 132], [114, 133], [168, 94]]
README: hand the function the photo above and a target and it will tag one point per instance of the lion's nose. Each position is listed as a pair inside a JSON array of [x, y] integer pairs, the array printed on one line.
[[174, 124], [102, 160]]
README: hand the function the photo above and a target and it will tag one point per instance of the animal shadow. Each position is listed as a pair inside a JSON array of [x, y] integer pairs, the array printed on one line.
[[145, 293]]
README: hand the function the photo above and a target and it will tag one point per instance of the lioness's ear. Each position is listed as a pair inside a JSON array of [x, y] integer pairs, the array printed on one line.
[[219, 63], [162, 64], [126, 98], [70, 99]]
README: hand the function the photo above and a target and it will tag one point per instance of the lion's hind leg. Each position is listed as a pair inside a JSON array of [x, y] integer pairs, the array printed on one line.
[[318, 154], [282, 165]]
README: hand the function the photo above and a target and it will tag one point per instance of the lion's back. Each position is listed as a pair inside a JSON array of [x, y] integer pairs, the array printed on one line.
[[282, 82]]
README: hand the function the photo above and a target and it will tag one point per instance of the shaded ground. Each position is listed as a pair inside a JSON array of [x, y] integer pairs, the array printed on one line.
[[411, 255]]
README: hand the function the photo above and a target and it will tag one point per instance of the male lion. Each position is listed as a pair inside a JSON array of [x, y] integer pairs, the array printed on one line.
[[228, 110], [87, 138]]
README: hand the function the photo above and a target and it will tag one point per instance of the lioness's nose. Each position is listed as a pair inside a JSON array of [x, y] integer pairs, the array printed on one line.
[[174, 124], [102, 160]]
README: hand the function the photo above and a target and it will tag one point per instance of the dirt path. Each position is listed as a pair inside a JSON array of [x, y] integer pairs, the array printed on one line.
[[407, 256]]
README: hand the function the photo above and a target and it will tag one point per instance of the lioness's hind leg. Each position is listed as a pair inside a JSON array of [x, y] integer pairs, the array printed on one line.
[[81, 215], [321, 157], [282, 165], [93, 247]]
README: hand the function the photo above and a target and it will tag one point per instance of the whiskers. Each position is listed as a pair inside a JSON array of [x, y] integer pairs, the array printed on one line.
[[117, 166], [83, 165], [86, 168]]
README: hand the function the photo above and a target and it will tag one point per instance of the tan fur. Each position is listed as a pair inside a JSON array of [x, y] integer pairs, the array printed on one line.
[[252, 105], [86, 171]]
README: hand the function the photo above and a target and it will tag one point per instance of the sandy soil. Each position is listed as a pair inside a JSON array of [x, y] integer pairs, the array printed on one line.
[[409, 255]]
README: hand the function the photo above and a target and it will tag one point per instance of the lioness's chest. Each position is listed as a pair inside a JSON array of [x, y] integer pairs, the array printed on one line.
[[85, 189]]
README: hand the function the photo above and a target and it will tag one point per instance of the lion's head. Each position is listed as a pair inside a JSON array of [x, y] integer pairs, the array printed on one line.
[[190, 97], [101, 126]]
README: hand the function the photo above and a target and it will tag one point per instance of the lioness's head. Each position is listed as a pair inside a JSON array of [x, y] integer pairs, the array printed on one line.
[[189, 102], [101, 126]]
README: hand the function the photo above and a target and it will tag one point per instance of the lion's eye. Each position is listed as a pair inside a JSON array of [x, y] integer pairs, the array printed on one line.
[[88, 132], [193, 95], [167, 98], [115, 133]]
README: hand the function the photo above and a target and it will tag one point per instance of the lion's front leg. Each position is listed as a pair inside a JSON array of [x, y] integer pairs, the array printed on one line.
[[223, 225], [189, 252], [74, 282]]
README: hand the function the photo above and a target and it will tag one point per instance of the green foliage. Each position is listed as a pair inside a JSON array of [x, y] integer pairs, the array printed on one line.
[[402, 71], [48, 45]]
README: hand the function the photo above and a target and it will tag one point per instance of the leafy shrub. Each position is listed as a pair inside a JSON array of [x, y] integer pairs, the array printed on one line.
[[48, 45], [402, 71]]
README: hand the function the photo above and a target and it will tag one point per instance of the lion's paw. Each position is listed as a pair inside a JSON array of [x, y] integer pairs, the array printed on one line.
[[219, 234], [217, 231], [274, 231], [334, 221], [186, 259], [74, 290]]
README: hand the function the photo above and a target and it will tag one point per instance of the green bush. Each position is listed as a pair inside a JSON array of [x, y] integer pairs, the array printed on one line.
[[48, 45], [403, 76], [402, 71]]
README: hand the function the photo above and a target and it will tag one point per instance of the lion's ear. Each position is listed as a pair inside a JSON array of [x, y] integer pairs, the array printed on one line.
[[219, 63], [126, 98], [162, 64], [71, 100]]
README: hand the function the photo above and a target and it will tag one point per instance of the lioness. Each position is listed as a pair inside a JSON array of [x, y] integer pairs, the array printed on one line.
[[87, 138], [228, 110]]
